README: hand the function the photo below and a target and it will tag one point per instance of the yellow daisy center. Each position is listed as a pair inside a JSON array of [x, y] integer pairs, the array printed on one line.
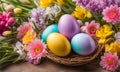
[[113, 14], [37, 50], [110, 62], [93, 30]]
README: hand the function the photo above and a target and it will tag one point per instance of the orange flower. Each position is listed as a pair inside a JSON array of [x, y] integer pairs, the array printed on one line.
[[29, 36]]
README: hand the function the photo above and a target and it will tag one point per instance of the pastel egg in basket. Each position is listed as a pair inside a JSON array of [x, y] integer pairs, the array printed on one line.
[[67, 45]]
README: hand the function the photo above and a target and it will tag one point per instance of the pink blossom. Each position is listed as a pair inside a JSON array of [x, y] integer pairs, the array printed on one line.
[[23, 29], [83, 29], [10, 22], [112, 14], [36, 50], [34, 61], [109, 61], [6, 20], [3, 29], [91, 28]]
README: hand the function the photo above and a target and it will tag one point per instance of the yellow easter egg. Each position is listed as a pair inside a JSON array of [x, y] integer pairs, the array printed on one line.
[[58, 44]]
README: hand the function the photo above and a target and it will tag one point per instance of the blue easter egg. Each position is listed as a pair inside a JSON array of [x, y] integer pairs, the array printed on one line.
[[50, 29], [83, 44]]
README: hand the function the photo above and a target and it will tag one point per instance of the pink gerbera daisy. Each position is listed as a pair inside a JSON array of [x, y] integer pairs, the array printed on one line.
[[112, 14], [109, 61], [92, 27], [36, 50], [23, 29]]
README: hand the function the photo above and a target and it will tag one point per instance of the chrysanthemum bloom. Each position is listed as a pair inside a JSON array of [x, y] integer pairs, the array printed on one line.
[[109, 61], [104, 32], [92, 27], [23, 29], [112, 14], [36, 50], [29, 36]]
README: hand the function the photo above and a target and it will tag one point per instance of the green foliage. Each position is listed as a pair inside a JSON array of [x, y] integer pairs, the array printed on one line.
[[7, 54]]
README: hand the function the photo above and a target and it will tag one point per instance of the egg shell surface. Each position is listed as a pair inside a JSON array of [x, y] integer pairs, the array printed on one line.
[[58, 44], [68, 26], [50, 29], [83, 44]]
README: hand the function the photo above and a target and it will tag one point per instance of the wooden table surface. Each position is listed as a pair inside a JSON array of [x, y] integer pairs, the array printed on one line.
[[49, 66]]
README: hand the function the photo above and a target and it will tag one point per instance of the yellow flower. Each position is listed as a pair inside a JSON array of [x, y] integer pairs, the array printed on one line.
[[104, 32], [44, 3], [81, 13], [88, 14], [7, 33], [17, 10], [29, 36], [61, 2], [113, 48]]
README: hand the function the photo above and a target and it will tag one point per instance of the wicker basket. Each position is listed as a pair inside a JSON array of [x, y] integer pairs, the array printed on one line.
[[73, 59]]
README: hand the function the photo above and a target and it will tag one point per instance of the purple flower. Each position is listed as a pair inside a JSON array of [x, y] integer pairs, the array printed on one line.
[[96, 5], [38, 17], [117, 36], [20, 49], [34, 61], [42, 17]]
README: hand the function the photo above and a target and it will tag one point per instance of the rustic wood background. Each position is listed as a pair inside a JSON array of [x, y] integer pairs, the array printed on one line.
[[49, 66]]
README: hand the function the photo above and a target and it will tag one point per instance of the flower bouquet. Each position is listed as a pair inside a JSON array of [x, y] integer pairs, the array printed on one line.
[[69, 32]]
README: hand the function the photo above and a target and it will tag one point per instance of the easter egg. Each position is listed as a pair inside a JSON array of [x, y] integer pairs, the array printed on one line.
[[58, 44], [68, 26], [50, 29], [83, 44]]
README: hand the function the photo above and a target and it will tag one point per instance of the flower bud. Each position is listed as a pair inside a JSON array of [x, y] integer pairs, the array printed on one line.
[[9, 8], [7, 33], [17, 10], [25, 1]]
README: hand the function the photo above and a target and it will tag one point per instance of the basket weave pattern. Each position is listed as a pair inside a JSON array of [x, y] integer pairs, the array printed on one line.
[[74, 59]]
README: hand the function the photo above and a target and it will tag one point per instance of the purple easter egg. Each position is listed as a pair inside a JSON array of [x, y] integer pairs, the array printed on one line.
[[68, 26], [83, 44]]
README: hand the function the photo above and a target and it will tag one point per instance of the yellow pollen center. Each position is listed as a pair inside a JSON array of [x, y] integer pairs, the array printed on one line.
[[113, 14], [93, 30], [110, 62], [37, 50], [24, 32]]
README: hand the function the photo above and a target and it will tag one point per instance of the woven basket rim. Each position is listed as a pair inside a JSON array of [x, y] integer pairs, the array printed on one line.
[[74, 59]]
